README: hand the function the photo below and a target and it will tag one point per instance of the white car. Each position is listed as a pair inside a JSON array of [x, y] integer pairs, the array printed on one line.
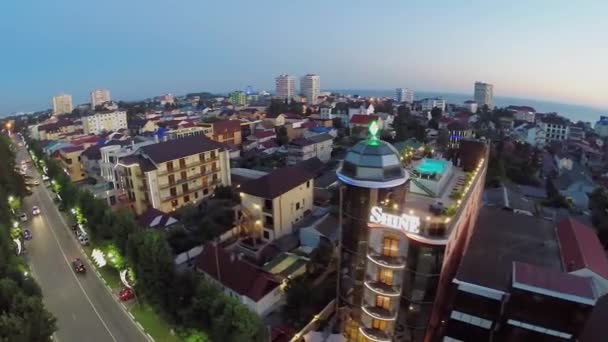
[[23, 217], [35, 210], [45, 177]]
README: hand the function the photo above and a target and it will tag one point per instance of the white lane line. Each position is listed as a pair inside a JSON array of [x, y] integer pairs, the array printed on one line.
[[69, 266]]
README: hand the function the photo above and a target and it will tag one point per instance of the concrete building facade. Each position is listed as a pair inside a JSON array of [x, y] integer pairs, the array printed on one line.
[[99, 97], [310, 87], [285, 86], [62, 104], [104, 122], [484, 94]]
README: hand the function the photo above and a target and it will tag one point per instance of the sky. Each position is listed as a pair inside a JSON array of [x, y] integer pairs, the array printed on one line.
[[553, 50]]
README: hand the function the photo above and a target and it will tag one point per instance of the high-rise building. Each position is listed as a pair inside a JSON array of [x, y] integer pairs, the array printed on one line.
[[62, 104], [310, 86], [285, 86], [430, 103], [403, 235], [484, 94], [99, 97], [404, 95]]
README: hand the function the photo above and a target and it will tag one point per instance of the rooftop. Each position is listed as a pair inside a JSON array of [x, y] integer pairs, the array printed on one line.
[[180, 148], [154, 218], [501, 238], [238, 275], [277, 182], [363, 119], [226, 126], [581, 249]]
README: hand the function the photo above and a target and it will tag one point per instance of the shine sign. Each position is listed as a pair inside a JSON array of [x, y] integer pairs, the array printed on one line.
[[405, 223]]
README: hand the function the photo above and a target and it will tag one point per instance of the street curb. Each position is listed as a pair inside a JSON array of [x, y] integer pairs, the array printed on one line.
[[151, 338], [130, 314], [140, 326]]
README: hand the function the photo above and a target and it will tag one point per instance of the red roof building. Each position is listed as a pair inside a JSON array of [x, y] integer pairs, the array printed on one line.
[[362, 119], [581, 249], [254, 287]]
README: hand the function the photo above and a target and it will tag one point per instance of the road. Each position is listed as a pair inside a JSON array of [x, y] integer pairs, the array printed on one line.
[[84, 307]]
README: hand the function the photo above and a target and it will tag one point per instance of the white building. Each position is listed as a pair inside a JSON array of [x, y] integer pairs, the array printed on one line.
[[531, 134], [62, 104], [110, 121], [310, 87], [404, 95], [99, 97], [601, 126], [484, 94], [471, 106], [430, 103], [319, 146], [285, 86], [555, 127], [523, 113]]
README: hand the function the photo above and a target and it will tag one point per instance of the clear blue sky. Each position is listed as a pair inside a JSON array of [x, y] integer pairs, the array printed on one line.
[[545, 49]]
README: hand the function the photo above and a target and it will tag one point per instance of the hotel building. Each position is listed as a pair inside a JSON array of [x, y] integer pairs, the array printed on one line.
[[104, 122], [170, 174], [285, 86], [404, 230]]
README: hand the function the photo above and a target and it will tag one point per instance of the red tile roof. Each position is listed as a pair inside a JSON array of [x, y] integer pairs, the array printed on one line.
[[363, 119], [580, 248], [69, 149], [226, 126], [553, 283], [180, 148], [238, 275], [264, 134]]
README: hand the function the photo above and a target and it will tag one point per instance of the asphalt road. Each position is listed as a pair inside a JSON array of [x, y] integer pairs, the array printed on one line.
[[84, 307]]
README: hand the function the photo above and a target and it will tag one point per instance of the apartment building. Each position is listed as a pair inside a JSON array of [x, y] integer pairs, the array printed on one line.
[[523, 113], [228, 132], [404, 95], [238, 98], [273, 203], [105, 122], [556, 128], [471, 106], [484, 94], [99, 97], [537, 281], [62, 104], [430, 103], [285, 86], [319, 146], [310, 87], [53, 130], [170, 174], [69, 157]]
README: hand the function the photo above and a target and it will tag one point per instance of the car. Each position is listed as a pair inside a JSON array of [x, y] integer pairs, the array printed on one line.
[[45, 177], [23, 217], [78, 266], [36, 182], [126, 294], [27, 235], [35, 210]]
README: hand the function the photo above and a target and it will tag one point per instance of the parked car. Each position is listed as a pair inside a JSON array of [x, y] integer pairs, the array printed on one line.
[[23, 217], [126, 294], [27, 235], [35, 210], [83, 239], [78, 266]]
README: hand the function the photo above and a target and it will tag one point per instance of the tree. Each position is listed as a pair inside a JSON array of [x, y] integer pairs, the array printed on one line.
[[400, 123], [436, 113]]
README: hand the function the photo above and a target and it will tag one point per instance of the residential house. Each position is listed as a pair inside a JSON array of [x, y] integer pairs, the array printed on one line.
[[275, 202], [531, 134], [555, 127], [576, 133], [359, 124], [523, 113], [171, 174], [54, 130], [601, 127], [319, 146], [69, 157], [259, 137], [156, 219], [227, 132], [257, 289]]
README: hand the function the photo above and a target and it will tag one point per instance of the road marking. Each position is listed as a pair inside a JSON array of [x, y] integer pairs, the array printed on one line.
[[69, 265]]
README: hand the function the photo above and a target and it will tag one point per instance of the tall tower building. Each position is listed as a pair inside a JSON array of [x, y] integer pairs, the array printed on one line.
[[310, 86], [285, 86], [404, 95], [62, 104], [484, 94], [99, 97], [403, 234]]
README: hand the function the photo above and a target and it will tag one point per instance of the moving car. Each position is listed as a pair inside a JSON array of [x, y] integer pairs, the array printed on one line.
[[35, 210], [78, 266], [126, 294], [23, 217], [27, 235]]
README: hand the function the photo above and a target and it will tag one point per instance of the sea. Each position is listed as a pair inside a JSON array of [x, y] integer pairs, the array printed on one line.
[[571, 111]]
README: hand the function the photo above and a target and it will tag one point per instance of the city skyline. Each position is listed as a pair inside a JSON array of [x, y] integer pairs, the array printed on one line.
[[522, 58]]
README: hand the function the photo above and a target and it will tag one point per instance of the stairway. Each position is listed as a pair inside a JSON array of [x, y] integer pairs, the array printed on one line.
[[423, 187]]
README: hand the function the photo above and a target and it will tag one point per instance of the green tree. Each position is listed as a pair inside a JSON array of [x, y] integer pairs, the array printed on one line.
[[400, 123]]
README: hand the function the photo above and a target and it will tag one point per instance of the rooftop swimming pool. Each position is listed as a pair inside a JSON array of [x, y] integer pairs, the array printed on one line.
[[430, 166]]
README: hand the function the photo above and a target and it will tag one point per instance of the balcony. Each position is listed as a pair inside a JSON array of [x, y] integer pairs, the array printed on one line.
[[375, 335], [381, 313], [179, 168], [267, 210], [188, 179], [382, 288], [191, 190], [386, 261]]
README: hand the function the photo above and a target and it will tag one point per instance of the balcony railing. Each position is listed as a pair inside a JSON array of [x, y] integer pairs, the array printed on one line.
[[386, 261], [188, 166], [381, 313], [191, 190], [267, 210], [377, 335], [187, 179], [382, 288]]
